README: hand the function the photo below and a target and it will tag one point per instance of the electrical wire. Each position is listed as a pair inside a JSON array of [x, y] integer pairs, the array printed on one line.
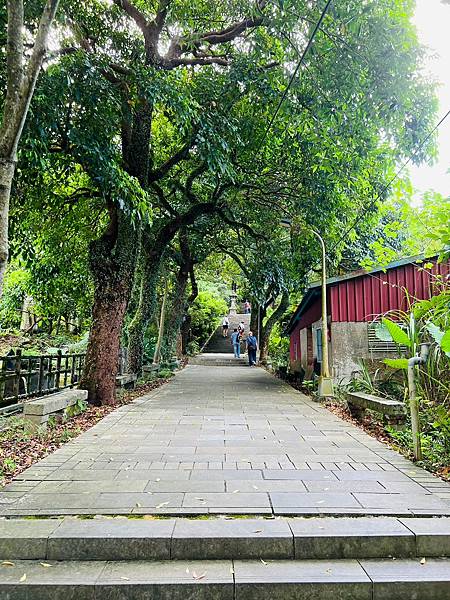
[[297, 68]]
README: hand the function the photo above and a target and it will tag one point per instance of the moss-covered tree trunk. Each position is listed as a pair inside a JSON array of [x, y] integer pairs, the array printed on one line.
[[266, 329], [186, 322], [175, 314], [179, 301], [254, 318], [153, 249], [150, 269], [112, 263], [112, 258]]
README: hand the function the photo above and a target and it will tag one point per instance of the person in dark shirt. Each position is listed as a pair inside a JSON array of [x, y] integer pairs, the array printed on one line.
[[236, 343], [252, 345]]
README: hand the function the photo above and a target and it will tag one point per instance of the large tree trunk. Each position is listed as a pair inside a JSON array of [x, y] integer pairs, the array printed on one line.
[[153, 249], [7, 168], [186, 322], [266, 329], [112, 259], [254, 318], [175, 314], [113, 263], [161, 322], [20, 85], [150, 265]]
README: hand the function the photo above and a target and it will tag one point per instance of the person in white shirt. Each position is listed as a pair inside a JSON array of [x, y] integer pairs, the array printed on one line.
[[225, 325]]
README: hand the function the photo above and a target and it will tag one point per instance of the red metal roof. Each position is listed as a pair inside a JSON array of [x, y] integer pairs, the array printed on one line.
[[361, 296]]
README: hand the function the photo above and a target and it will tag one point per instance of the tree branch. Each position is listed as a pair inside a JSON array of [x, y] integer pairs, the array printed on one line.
[[12, 127], [14, 55], [162, 199], [238, 260], [210, 60], [238, 224], [182, 45], [181, 154], [138, 17], [161, 14]]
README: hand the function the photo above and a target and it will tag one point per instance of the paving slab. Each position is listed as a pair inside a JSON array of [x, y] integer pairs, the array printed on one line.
[[239, 439], [212, 580], [409, 579], [432, 535], [108, 539], [25, 539], [352, 538], [301, 580], [243, 538], [29, 580]]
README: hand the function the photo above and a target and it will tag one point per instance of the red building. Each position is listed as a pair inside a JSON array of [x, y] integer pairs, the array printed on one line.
[[355, 301]]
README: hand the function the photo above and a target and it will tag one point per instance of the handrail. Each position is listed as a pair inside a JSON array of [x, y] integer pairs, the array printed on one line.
[[30, 376]]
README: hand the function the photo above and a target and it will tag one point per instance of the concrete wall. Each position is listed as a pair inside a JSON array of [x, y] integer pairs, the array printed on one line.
[[349, 343]]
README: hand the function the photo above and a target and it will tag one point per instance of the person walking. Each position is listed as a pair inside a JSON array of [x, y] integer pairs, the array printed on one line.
[[225, 325], [236, 343], [247, 307], [241, 328], [252, 345]]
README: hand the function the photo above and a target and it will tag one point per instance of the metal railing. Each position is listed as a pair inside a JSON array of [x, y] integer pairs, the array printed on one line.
[[23, 376]]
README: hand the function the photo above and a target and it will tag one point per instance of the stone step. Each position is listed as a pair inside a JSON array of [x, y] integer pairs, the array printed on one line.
[[218, 359], [218, 538], [404, 579]]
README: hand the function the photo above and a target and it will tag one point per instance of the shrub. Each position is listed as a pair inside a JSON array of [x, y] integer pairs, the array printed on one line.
[[206, 312], [278, 347], [14, 291]]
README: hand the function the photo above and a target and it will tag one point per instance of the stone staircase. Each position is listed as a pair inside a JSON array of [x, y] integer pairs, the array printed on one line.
[[218, 352], [319, 558]]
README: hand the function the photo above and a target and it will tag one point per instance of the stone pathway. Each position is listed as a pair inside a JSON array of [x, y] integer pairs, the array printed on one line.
[[228, 440]]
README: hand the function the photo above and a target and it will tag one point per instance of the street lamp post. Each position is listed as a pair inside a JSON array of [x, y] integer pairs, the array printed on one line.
[[325, 380]]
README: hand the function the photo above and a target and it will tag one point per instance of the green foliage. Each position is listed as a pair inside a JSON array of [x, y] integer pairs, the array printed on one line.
[[16, 287], [165, 374], [206, 312], [435, 437], [396, 363], [76, 409], [375, 381], [397, 334], [193, 348], [410, 229], [278, 347]]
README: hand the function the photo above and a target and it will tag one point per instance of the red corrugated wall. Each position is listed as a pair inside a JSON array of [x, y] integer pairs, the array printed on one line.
[[363, 298], [312, 315]]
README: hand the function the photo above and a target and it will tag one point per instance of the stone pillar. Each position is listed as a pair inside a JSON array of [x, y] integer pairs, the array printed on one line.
[[233, 307]]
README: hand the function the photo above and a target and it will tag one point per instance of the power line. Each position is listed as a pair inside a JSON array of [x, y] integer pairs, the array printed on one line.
[[291, 80], [297, 68], [391, 181]]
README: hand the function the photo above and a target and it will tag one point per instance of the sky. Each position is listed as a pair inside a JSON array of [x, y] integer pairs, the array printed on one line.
[[432, 19]]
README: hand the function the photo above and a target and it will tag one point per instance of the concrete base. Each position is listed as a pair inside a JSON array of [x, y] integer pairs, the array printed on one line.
[[37, 412], [326, 387], [126, 380]]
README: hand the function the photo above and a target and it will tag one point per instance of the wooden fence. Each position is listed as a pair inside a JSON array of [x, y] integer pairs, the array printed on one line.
[[23, 376]]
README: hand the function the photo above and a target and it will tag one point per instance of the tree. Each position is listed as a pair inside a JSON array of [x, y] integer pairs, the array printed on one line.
[[408, 227], [185, 134], [21, 76]]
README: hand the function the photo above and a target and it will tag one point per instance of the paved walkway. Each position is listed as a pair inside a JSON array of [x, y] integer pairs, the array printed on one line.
[[225, 440]]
